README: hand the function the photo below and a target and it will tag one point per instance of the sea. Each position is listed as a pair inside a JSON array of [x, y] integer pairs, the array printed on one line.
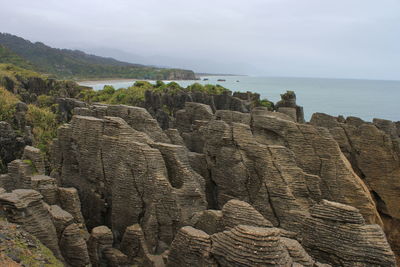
[[366, 99]]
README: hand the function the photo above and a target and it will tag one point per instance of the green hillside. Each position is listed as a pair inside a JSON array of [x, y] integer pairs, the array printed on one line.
[[75, 64]]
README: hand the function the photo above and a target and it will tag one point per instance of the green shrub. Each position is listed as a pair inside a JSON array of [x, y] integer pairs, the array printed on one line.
[[44, 126], [7, 105], [266, 103], [45, 101]]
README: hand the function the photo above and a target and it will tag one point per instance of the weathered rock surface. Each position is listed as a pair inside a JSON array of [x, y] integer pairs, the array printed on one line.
[[138, 118], [236, 212], [317, 153], [36, 157], [26, 208], [11, 145], [288, 106], [246, 245], [73, 246], [191, 247], [122, 180], [373, 151], [337, 234], [100, 239]]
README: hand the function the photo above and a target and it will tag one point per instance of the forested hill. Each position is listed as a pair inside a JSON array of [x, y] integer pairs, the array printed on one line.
[[75, 64]]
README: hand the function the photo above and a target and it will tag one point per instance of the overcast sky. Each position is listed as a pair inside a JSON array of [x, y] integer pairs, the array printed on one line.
[[306, 38]]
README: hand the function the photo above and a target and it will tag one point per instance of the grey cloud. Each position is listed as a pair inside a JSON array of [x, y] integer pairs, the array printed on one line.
[[342, 38]]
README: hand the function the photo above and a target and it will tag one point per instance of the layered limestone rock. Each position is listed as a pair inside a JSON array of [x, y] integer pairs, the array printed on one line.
[[137, 251], [138, 118], [190, 122], [100, 239], [288, 106], [337, 234], [34, 155], [125, 178], [236, 212], [156, 102], [317, 153], [246, 245], [191, 247], [373, 151], [73, 246], [264, 176], [26, 208]]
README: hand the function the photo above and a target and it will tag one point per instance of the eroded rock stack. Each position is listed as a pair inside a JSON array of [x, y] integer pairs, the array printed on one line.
[[374, 152], [337, 233], [222, 188]]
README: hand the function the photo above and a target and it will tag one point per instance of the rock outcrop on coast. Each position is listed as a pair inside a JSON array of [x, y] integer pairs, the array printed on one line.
[[215, 186], [373, 149]]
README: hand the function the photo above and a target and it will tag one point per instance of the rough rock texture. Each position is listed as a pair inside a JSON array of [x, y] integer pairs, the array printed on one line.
[[36, 157], [122, 180], [317, 153], [66, 107], [297, 252], [73, 246], [209, 221], [336, 233], [61, 219], [136, 248], [288, 106], [246, 245], [47, 187], [100, 239], [26, 208], [236, 212], [11, 145], [190, 122], [191, 247], [138, 118], [264, 176], [374, 153], [115, 258], [156, 102], [70, 202]]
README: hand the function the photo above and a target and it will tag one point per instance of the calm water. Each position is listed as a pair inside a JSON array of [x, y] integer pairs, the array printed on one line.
[[366, 99]]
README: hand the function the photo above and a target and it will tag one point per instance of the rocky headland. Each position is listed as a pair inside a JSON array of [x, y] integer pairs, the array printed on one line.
[[192, 178]]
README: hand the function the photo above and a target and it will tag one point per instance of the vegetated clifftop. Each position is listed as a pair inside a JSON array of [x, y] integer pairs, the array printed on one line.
[[65, 63], [226, 183]]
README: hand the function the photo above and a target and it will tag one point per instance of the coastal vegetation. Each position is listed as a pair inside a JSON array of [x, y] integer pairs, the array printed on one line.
[[135, 94]]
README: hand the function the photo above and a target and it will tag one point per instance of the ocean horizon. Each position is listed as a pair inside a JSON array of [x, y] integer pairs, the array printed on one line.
[[366, 99]]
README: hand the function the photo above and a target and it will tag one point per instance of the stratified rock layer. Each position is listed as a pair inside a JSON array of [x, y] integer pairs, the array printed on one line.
[[191, 247], [122, 180], [250, 246], [373, 150], [337, 234]]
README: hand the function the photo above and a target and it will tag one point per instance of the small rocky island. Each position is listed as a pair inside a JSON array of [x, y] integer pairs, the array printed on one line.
[[194, 178]]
